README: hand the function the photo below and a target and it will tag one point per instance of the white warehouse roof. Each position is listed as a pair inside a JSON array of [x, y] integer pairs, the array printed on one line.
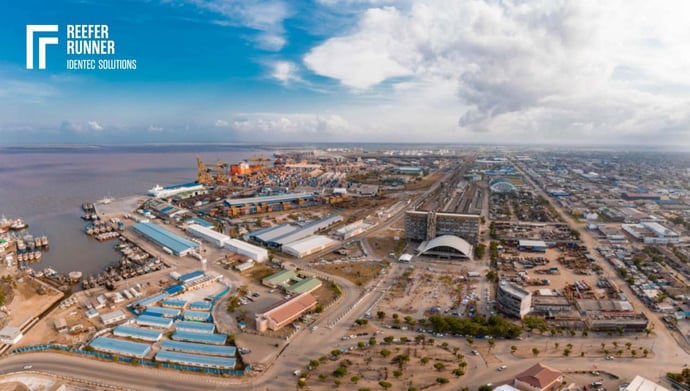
[[243, 248], [308, 245]]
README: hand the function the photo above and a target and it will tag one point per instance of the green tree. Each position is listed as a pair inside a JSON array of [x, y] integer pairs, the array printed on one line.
[[442, 380], [385, 353], [535, 352], [484, 387], [380, 315], [385, 384], [439, 366], [340, 372], [314, 364], [301, 383], [397, 374], [458, 372], [354, 379], [372, 341], [424, 360], [566, 352], [513, 349]]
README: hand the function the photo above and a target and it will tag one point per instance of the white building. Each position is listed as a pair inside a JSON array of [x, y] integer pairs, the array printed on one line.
[[208, 235], [113, 317], [651, 233], [640, 383], [309, 245], [351, 230], [169, 191], [511, 299], [248, 250], [10, 335]]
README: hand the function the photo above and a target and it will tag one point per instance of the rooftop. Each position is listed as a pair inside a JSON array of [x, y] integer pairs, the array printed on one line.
[[192, 347], [164, 237], [539, 376], [196, 360]]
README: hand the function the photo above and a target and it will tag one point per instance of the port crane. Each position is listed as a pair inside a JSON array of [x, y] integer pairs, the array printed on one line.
[[209, 174]]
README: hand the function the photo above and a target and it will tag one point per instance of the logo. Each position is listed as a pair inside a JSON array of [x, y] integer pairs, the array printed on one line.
[[42, 43]]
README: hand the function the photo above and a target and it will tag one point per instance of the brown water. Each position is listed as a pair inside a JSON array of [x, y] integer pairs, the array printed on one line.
[[46, 187]]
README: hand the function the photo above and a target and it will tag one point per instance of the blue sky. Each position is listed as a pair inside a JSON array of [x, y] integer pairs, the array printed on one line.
[[355, 70]]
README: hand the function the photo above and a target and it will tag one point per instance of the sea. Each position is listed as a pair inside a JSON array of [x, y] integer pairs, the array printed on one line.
[[46, 186]]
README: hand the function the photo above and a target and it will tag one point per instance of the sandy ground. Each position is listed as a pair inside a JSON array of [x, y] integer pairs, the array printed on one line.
[[371, 367], [28, 303], [26, 382]]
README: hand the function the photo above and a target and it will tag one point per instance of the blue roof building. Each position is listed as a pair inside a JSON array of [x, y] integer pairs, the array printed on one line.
[[196, 360], [200, 305], [195, 327], [190, 347], [215, 339], [166, 239], [118, 346], [138, 333], [174, 303], [161, 311], [201, 316], [191, 276], [149, 301], [153, 321]]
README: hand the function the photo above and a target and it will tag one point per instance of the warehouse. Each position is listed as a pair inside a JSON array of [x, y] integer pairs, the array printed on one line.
[[309, 245], [174, 303], [448, 246], [190, 347], [196, 360], [149, 301], [536, 246], [269, 200], [305, 231], [248, 250], [266, 235], [215, 339], [161, 311], [112, 317], [199, 316], [285, 312], [200, 306], [289, 281], [208, 234], [166, 239], [153, 321], [138, 333], [195, 327], [351, 230], [118, 346]]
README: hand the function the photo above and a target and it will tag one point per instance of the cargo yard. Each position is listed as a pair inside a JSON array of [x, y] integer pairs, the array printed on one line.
[[225, 274]]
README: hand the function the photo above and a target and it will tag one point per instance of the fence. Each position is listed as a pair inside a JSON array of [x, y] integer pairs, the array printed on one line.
[[134, 361]]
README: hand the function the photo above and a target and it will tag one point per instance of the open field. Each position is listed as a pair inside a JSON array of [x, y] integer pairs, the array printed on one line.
[[360, 273]]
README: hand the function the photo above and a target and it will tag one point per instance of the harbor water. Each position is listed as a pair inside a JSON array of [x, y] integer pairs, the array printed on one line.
[[46, 187]]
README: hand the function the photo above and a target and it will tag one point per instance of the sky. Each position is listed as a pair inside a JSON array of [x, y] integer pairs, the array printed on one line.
[[449, 71]]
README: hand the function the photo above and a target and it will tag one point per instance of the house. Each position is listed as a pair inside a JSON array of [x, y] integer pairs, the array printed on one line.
[[538, 377]]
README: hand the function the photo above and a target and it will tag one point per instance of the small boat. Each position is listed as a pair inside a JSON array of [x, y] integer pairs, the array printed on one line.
[[21, 246], [38, 255], [18, 225]]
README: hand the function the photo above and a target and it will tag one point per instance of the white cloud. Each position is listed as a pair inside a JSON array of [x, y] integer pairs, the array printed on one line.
[[528, 70], [93, 125], [284, 71], [279, 126], [264, 16], [221, 123]]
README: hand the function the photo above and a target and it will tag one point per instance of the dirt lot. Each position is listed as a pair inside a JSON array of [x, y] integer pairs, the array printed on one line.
[[31, 298], [558, 280], [401, 365], [425, 182], [433, 284], [358, 272]]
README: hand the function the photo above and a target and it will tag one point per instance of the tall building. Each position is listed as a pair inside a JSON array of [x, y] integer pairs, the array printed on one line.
[[512, 300], [424, 225]]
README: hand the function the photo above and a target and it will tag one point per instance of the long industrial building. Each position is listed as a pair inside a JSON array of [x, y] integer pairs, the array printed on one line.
[[169, 191], [269, 200], [309, 245], [280, 235], [191, 347], [196, 360], [425, 225], [167, 240], [234, 245], [138, 333], [118, 346]]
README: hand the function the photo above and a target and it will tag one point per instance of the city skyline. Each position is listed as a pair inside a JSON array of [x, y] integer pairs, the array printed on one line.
[[355, 70]]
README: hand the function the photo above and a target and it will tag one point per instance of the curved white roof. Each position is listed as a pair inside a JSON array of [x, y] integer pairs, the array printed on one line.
[[452, 241]]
